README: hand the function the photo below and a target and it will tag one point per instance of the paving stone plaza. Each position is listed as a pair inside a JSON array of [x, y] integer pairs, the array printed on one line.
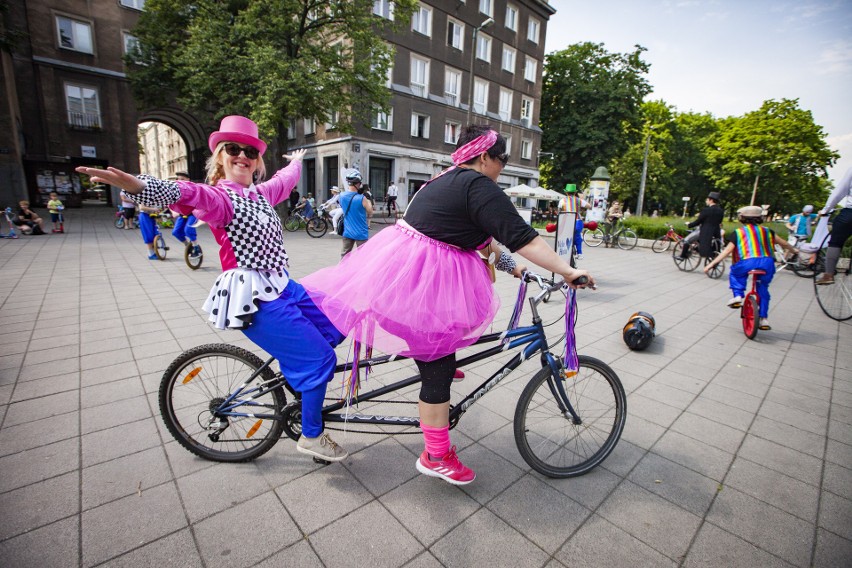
[[735, 452]]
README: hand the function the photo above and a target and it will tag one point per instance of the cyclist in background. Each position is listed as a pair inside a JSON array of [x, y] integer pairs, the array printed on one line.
[[801, 226], [842, 226], [709, 223]]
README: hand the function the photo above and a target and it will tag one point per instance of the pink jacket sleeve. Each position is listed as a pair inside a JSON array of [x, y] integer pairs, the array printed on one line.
[[278, 187]]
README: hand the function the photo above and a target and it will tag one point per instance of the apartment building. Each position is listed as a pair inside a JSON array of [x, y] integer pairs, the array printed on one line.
[[69, 102], [162, 151], [462, 60]]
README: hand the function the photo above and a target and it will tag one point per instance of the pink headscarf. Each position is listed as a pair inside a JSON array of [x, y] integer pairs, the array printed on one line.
[[475, 147]]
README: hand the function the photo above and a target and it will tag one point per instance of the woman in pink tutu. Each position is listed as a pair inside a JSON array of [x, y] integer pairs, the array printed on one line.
[[442, 298]]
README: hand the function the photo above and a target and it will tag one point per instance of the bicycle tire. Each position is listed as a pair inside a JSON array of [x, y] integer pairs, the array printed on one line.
[[809, 270], [627, 240], [717, 271], [749, 312], [292, 223], [598, 398], [194, 262], [688, 263], [593, 238], [160, 248], [119, 222], [835, 299], [661, 244], [317, 227], [200, 377]]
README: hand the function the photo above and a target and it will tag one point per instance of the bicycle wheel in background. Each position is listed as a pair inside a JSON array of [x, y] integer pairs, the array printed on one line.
[[292, 223], [593, 238], [661, 244], [836, 299], [549, 440], [160, 247], [316, 227], [627, 240], [197, 382], [192, 257], [748, 313], [690, 261], [808, 265], [119, 222], [717, 271]]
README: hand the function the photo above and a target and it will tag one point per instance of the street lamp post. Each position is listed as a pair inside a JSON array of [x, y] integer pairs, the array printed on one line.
[[483, 25], [757, 177], [640, 201]]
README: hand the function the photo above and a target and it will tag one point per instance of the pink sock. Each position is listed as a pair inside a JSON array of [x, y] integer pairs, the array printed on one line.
[[437, 440]]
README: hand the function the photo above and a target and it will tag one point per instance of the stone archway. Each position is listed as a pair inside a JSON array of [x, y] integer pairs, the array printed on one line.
[[193, 131]]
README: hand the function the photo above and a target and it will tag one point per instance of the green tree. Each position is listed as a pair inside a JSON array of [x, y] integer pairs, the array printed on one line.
[[590, 99], [782, 145], [271, 60]]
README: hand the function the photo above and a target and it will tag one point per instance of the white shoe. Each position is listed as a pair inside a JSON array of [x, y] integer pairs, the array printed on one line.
[[323, 448], [735, 302], [579, 257]]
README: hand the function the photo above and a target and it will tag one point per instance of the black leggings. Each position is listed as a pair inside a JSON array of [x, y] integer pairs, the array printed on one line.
[[436, 377], [841, 228]]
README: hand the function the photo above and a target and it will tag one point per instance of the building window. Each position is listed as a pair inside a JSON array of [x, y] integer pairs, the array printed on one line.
[[505, 105], [486, 7], [508, 139], [451, 132], [530, 69], [452, 86], [291, 129], [508, 59], [135, 4], [84, 111], [532, 30], [383, 120], [383, 8], [421, 20], [512, 17], [455, 34], [483, 47], [419, 125], [480, 96], [419, 76], [333, 118], [526, 111], [310, 126], [526, 149], [74, 34]]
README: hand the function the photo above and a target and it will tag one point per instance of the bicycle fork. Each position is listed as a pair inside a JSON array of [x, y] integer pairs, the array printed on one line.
[[557, 388]]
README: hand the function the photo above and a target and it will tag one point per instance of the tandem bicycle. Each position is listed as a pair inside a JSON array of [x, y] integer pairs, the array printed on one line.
[[223, 403]]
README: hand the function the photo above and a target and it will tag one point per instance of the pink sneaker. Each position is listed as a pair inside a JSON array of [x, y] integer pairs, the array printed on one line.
[[448, 468]]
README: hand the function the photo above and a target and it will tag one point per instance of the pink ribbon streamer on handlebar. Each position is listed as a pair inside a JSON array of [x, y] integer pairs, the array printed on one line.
[[572, 363]]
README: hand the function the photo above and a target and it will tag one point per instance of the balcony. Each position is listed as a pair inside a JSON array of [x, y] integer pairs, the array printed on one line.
[[84, 121]]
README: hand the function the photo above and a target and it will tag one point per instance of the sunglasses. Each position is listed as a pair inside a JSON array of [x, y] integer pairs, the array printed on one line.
[[234, 150], [504, 158]]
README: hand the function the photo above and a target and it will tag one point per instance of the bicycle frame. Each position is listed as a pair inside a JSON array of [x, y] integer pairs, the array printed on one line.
[[533, 337]]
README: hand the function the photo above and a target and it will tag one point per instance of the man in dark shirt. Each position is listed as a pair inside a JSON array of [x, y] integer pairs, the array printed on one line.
[[709, 222]]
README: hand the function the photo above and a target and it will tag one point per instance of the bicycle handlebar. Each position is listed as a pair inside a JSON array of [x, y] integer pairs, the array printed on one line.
[[550, 284]]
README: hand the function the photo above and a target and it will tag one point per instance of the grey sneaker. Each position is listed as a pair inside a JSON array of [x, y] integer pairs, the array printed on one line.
[[323, 448]]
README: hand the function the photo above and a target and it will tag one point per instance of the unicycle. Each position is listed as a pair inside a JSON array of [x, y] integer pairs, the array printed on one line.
[[750, 310], [193, 256], [160, 247]]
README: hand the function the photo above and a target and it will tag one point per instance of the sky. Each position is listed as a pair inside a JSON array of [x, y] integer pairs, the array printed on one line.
[[727, 57]]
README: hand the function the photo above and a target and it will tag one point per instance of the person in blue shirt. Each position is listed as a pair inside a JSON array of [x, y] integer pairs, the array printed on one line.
[[801, 225], [356, 207]]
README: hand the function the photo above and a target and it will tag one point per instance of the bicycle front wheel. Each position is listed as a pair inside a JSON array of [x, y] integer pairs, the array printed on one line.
[[836, 299], [661, 244], [160, 247], [119, 222], [200, 380], [686, 263], [549, 440], [593, 238], [292, 223], [627, 239], [316, 227]]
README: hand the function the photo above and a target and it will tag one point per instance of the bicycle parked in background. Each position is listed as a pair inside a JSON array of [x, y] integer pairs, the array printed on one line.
[[667, 241], [611, 235]]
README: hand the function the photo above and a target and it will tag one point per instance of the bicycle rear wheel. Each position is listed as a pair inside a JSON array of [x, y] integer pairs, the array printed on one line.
[[717, 271], [836, 299], [627, 239], [749, 313], [197, 382], [549, 441], [661, 244], [593, 238], [316, 227], [292, 223], [160, 247]]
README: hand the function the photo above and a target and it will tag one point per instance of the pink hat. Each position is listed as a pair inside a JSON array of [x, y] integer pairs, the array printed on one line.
[[236, 129]]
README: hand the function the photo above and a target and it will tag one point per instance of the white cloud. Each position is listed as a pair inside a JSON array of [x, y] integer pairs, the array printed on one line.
[[836, 58]]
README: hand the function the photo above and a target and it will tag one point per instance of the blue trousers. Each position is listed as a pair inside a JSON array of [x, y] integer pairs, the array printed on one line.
[[578, 236], [184, 228], [148, 227], [738, 279], [293, 330]]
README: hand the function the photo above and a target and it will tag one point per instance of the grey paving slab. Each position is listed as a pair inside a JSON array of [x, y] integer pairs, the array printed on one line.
[[736, 452]]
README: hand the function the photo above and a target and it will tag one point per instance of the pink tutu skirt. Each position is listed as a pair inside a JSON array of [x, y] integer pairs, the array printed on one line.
[[406, 294]]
